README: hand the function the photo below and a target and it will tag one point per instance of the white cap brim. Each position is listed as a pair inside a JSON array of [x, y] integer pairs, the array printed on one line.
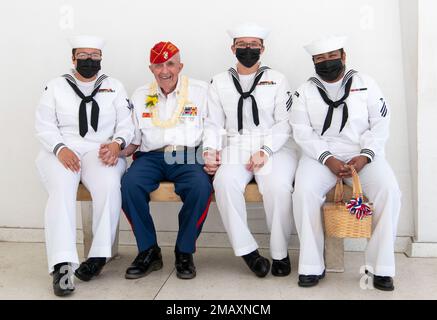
[[325, 45], [249, 30], [87, 42]]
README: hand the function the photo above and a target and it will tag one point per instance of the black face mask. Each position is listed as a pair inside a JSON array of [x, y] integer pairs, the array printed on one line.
[[330, 70], [247, 56], [88, 68]]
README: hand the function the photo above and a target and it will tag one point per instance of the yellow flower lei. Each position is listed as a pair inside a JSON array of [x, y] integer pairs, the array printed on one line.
[[152, 101]]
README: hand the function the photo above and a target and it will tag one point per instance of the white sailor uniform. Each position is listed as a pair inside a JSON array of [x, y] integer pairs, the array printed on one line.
[[365, 133], [266, 129], [57, 126]]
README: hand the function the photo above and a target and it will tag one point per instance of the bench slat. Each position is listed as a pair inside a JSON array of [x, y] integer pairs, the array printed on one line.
[[165, 193]]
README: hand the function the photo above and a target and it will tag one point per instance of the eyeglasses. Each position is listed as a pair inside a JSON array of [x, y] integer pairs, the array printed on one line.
[[93, 56], [252, 45]]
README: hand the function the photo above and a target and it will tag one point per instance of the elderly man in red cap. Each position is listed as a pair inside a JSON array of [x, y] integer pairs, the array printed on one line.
[[168, 115]]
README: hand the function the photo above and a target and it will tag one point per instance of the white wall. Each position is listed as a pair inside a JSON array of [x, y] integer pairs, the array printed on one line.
[[34, 50], [409, 28], [427, 117]]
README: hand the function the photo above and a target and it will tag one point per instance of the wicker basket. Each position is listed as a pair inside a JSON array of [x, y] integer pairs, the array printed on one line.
[[339, 222]]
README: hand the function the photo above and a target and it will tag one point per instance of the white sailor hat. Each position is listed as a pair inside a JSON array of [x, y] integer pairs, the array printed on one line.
[[325, 45], [249, 30], [87, 42]]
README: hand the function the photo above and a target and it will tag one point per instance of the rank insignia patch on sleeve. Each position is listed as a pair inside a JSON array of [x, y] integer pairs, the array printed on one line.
[[289, 101], [384, 110]]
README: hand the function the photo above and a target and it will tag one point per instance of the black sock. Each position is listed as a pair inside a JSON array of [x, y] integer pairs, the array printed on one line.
[[58, 266], [251, 255], [283, 260], [100, 261]]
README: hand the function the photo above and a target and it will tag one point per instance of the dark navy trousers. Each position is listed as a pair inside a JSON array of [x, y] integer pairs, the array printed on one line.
[[192, 184]]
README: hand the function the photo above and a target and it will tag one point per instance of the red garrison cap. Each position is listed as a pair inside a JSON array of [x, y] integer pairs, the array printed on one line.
[[162, 51]]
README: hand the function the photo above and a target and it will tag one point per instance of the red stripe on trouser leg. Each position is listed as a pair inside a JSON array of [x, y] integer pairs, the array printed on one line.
[[128, 220], [204, 214]]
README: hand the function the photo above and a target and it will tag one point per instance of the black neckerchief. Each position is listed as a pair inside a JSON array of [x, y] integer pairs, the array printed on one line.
[[245, 95], [347, 83], [83, 122]]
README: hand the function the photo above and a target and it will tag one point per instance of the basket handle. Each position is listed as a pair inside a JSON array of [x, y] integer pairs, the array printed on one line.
[[338, 195], [356, 184]]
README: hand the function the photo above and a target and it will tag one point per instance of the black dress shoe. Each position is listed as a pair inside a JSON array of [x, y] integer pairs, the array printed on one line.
[[90, 268], [184, 264], [307, 281], [281, 268], [383, 283], [146, 262], [62, 286], [257, 263]]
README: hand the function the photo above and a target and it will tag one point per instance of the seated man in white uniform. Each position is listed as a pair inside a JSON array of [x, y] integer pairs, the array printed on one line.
[[83, 120], [248, 136], [340, 119]]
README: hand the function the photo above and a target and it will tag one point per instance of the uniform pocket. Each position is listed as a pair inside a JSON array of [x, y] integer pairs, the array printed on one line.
[[317, 111], [265, 97], [146, 123], [357, 106], [190, 116]]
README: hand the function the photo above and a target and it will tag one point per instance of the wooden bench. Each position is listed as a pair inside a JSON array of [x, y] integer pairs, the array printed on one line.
[[334, 248]]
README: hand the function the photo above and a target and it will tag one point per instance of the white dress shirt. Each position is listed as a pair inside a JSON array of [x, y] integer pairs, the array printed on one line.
[[189, 129]]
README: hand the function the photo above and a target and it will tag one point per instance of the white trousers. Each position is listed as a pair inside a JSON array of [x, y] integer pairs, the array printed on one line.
[[60, 214], [313, 182], [274, 183]]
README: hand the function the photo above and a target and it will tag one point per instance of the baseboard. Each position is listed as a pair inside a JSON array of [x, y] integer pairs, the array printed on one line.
[[213, 240], [421, 249]]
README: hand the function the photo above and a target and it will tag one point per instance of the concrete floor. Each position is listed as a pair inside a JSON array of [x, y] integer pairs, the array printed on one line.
[[220, 275]]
